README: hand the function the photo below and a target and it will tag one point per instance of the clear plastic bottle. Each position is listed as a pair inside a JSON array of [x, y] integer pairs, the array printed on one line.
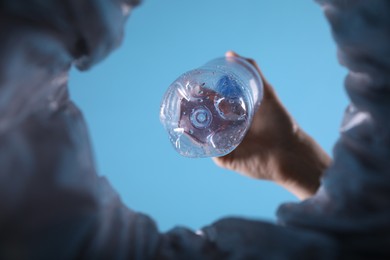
[[207, 111]]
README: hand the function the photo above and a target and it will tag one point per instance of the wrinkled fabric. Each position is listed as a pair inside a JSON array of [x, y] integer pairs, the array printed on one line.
[[353, 203], [53, 205]]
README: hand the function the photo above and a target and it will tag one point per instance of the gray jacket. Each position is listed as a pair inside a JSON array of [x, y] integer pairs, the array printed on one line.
[[53, 205]]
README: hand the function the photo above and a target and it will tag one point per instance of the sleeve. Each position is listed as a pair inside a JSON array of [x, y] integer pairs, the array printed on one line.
[[89, 29], [53, 205], [354, 199]]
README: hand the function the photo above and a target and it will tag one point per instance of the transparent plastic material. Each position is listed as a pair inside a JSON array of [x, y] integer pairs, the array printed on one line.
[[207, 111]]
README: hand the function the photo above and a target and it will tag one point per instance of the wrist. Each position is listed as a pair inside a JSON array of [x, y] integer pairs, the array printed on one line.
[[301, 165]]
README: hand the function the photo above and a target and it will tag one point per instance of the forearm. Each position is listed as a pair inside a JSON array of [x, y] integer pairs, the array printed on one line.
[[304, 161]]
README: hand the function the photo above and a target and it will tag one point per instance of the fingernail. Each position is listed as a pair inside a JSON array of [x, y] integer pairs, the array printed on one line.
[[231, 54]]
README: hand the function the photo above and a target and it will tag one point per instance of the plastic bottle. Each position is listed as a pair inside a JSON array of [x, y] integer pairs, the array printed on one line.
[[207, 111]]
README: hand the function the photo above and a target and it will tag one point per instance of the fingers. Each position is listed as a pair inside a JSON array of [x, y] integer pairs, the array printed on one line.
[[269, 92], [253, 62], [218, 161], [231, 54]]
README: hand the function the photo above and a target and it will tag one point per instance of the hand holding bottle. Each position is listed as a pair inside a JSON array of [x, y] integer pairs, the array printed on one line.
[[276, 149]]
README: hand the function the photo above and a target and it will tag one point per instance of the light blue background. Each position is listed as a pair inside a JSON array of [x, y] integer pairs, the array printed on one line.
[[121, 97]]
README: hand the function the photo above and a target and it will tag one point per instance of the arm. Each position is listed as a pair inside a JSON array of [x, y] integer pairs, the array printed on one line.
[[52, 203], [277, 149]]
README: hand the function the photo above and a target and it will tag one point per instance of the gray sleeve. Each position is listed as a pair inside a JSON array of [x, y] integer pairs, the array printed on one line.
[[53, 205], [354, 200]]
